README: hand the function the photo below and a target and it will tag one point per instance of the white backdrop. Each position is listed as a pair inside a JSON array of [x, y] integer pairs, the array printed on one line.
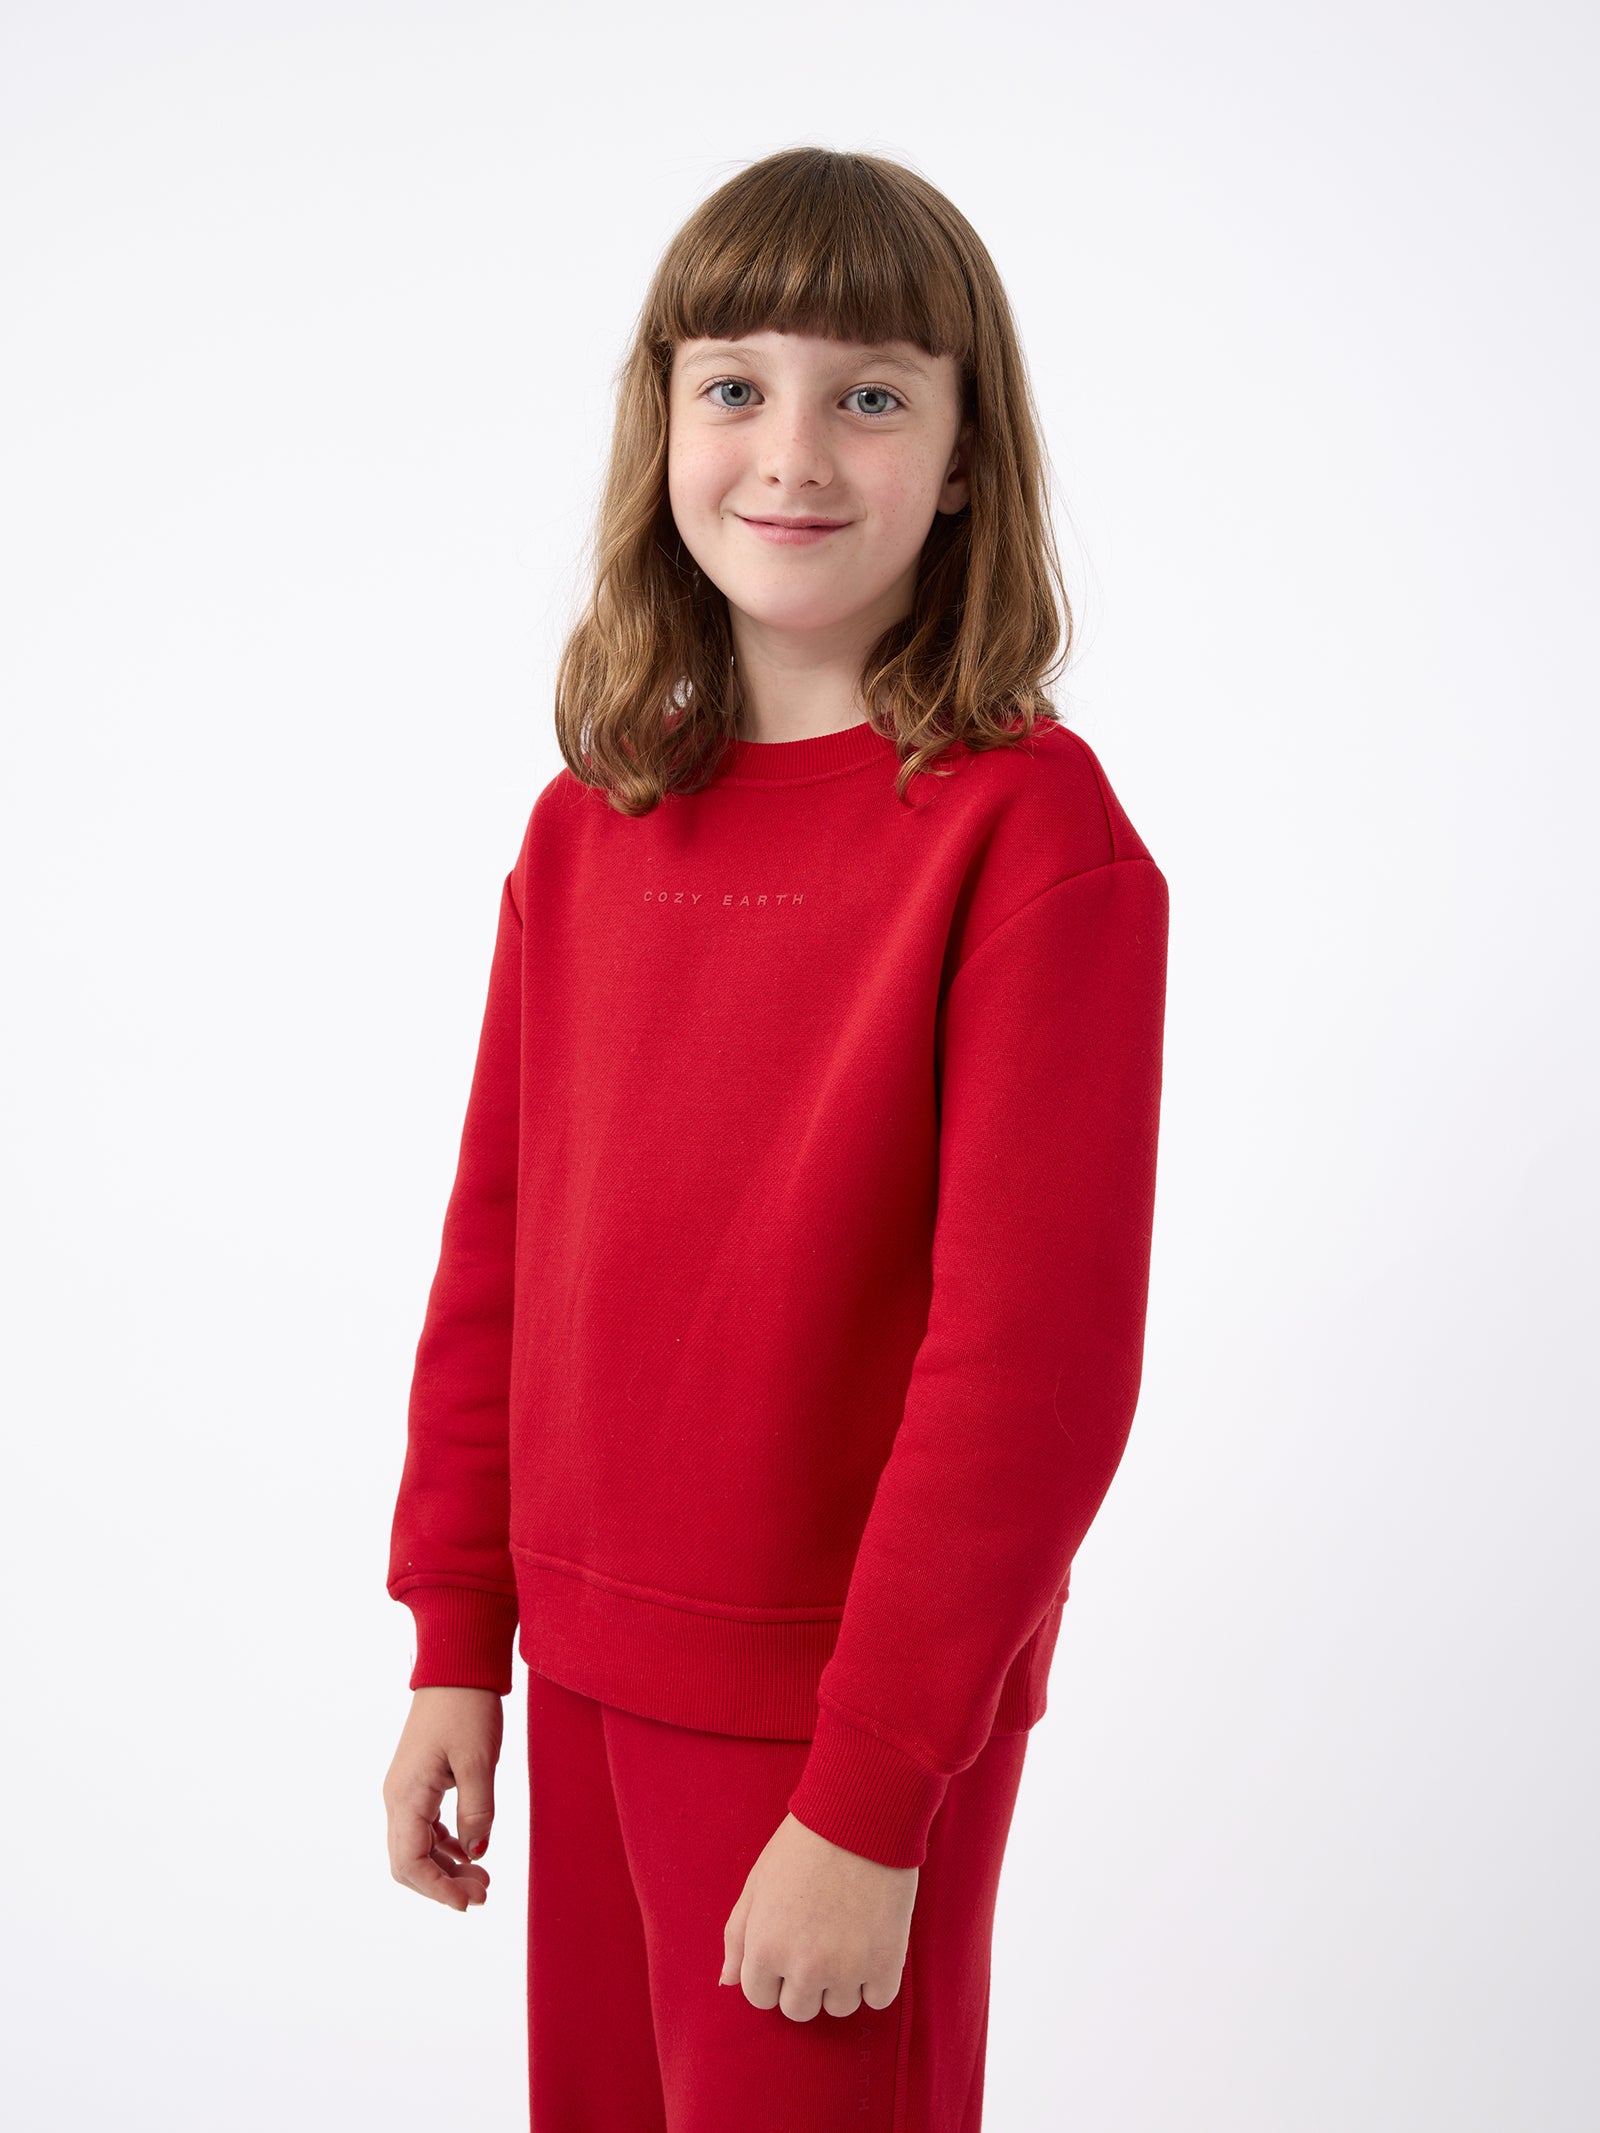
[[313, 312]]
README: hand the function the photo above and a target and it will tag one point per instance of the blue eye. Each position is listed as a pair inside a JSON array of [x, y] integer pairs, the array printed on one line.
[[719, 386]]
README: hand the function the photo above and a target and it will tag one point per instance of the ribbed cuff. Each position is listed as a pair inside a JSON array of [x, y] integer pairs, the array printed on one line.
[[465, 1637], [865, 1794]]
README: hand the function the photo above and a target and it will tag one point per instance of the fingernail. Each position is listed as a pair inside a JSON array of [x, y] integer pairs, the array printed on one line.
[[476, 1849]]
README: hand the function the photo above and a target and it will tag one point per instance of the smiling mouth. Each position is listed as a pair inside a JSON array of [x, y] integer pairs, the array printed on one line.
[[793, 532]]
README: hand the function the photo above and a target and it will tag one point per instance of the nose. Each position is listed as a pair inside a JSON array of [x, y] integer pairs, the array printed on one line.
[[794, 452]]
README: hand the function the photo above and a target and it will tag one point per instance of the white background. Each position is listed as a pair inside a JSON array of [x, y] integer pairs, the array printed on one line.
[[312, 319]]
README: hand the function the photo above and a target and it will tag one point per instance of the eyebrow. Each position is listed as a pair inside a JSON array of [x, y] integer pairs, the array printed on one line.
[[727, 352]]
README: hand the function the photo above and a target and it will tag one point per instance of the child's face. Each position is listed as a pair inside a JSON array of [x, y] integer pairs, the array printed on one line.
[[784, 426]]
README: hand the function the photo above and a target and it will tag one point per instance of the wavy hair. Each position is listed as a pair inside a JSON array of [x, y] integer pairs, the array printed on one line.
[[849, 247]]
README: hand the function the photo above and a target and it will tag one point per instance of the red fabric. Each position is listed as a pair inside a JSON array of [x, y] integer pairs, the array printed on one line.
[[789, 1314], [641, 1838]]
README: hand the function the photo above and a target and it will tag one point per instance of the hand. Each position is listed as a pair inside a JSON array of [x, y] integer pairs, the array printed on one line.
[[451, 1737], [817, 1926]]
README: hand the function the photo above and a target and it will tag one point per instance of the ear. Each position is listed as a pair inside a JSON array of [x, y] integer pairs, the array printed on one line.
[[956, 493]]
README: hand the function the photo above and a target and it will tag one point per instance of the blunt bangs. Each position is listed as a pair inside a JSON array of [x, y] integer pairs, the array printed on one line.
[[829, 249]]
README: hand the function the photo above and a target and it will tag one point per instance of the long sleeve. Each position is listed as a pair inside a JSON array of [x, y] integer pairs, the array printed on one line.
[[449, 1558], [1023, 1388]]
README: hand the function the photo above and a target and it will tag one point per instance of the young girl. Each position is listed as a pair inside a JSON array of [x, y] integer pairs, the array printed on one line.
[[788, 1321]]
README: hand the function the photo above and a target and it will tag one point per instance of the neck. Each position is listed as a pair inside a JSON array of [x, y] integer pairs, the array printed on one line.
[[795, 685]]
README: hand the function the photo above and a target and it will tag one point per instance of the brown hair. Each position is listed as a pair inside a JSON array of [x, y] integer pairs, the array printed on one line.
[[849, 247]]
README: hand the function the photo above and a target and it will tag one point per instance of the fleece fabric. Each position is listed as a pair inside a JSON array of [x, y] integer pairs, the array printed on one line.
[[788, 1321]]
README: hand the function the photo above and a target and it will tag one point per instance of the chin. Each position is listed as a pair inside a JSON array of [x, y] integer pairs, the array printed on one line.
[[773, 612]]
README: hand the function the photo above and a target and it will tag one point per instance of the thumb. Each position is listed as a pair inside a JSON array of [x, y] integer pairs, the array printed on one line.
[[474, 1807], [733, 1942]]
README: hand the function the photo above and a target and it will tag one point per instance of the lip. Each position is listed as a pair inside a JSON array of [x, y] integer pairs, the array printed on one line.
[[793, 532]]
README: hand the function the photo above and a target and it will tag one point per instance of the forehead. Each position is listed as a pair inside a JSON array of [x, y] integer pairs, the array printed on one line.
[[809, 351]]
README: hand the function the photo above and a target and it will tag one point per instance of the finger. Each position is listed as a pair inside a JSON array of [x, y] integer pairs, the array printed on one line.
[[762, 1988], [836, 2001], [473, 1879], [446, 1845], [761, 1979], [411, 1804], [733, 1943], [883, 1991], [450, 1859], [414, 1860], [800, 2001], [474, 1776]]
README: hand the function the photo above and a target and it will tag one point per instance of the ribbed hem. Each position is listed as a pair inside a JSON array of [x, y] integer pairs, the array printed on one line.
[[727, 1670], [465, 1637], [821, 755], [720, 1669], [863, 1793]]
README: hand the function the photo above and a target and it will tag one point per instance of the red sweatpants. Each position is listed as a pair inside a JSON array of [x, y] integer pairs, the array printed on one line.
[[642, 1836]]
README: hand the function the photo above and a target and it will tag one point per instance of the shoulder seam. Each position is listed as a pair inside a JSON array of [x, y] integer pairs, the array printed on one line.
[[539, 801], [1099, 786], [1134, 859]]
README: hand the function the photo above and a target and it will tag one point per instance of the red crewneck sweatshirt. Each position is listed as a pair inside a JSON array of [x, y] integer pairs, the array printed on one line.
[[788, 1321]]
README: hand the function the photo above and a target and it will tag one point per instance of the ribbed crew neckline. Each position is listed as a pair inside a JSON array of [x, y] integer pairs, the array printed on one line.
[[817, 756]]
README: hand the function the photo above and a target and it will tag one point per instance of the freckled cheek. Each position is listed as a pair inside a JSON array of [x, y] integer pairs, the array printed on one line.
[[899, 512], [901, 488], [698, 479]]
